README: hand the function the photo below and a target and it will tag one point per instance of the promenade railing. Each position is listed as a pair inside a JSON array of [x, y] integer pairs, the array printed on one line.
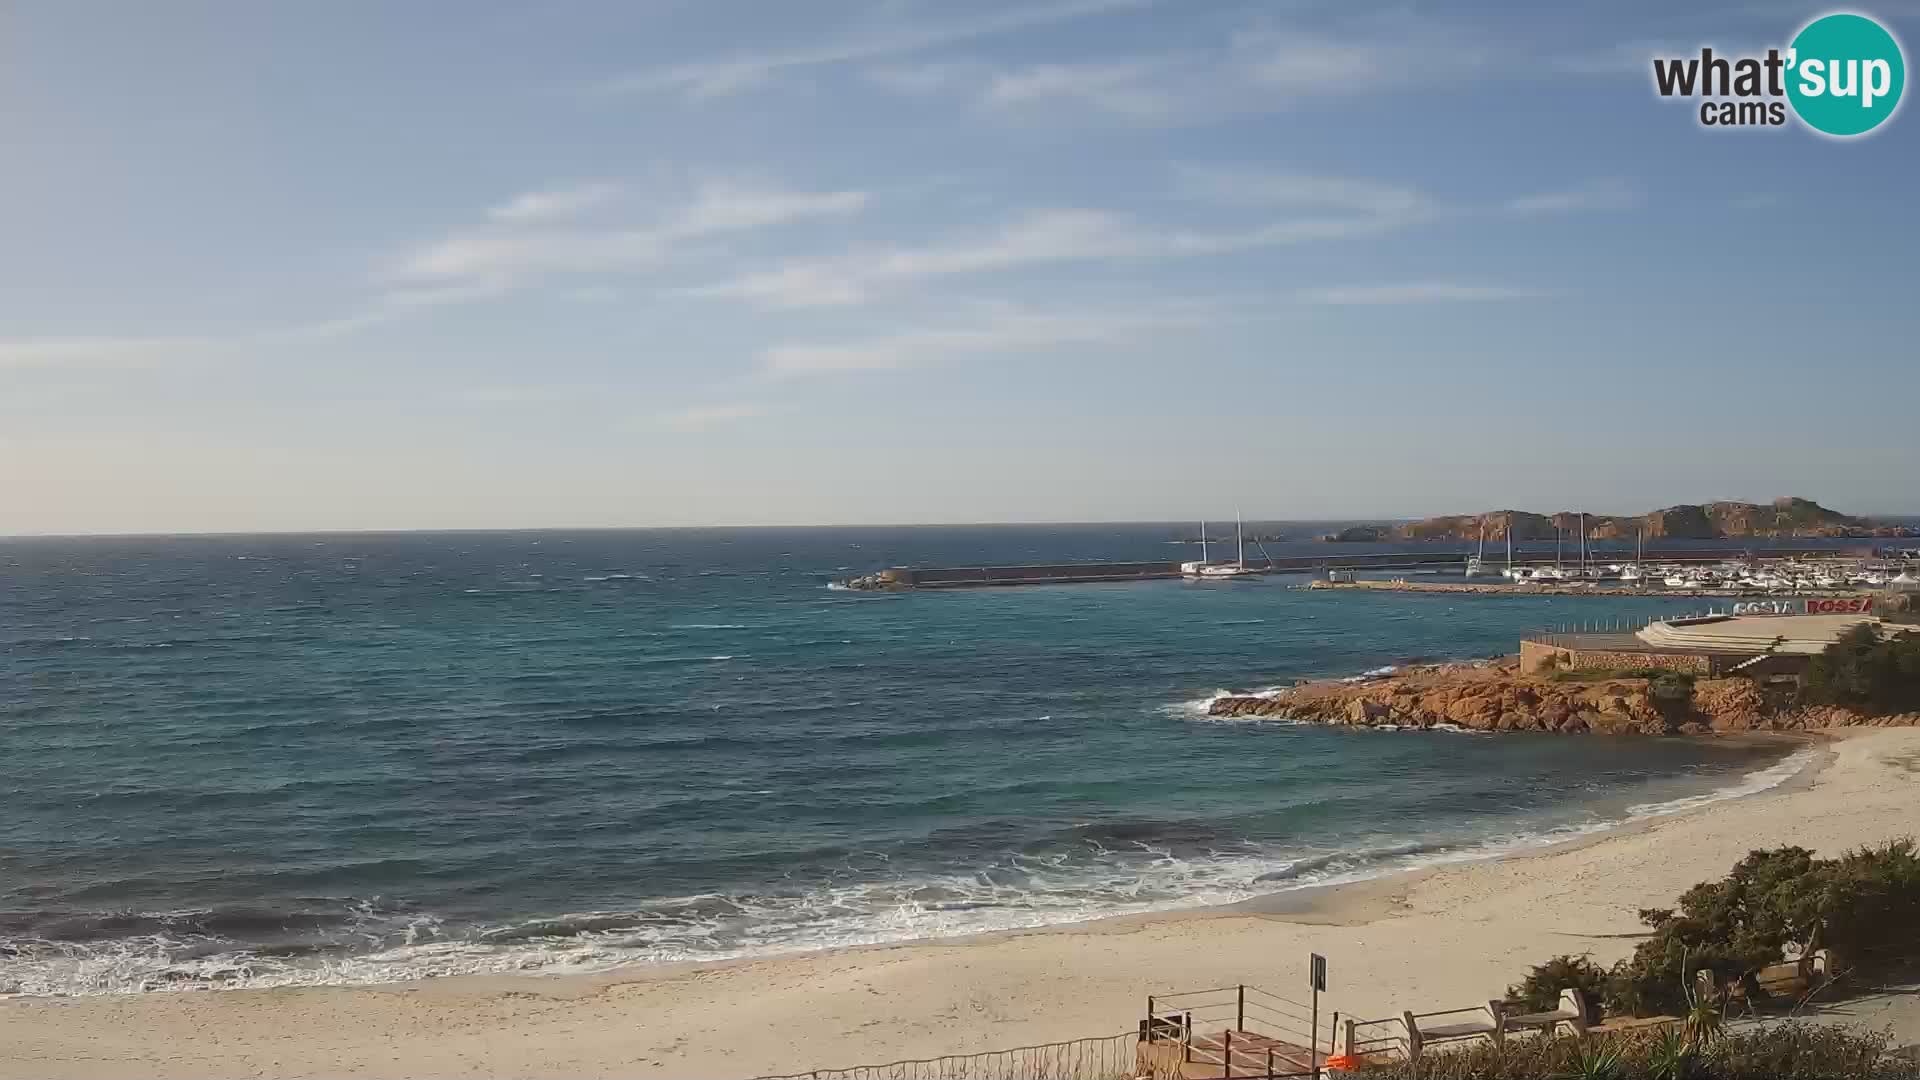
[[1234, 1031], [1108, 1057]]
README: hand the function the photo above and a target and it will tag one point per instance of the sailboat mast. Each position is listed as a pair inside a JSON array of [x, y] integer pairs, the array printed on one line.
[[1583, 539], [1203, 540], [1239, 539], [1509, 543]]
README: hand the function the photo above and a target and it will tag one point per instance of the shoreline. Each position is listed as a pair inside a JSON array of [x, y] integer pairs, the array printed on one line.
[[1428, 938], [1270, 892]]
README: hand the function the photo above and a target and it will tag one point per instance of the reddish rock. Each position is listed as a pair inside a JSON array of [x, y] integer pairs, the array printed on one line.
[[1495, 697]]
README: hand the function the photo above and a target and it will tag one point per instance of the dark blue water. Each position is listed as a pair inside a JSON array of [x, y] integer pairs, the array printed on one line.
[[258, 760]]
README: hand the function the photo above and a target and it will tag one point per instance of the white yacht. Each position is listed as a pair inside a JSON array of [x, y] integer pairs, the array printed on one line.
[[1207, 570]]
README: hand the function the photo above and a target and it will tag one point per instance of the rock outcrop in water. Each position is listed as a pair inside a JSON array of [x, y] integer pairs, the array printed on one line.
[[1496, 697]]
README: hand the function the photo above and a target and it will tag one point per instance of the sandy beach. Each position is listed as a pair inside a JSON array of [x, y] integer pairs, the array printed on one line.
[[1440, 938]]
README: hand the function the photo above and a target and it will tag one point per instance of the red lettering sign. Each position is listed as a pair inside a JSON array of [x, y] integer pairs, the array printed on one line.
[[1852, 605]]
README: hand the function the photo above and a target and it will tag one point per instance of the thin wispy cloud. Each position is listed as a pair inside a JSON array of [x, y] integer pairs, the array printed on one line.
[[1123, 87], [1002, 329], [555, 203], [701, 417], [1636, 57], [1235, 186], [164, 351], [927, 77], [1607, 194], [507, 252], [94, 351], [1329, 209], [513, 394], [729, 75], [1367, 55], [1264, 67], [726, 206], [1420, 292]]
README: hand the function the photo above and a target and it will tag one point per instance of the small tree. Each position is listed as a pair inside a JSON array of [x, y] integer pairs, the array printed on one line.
[[1732, 927], [1671, 694], [1862, 670], [1540, 990]]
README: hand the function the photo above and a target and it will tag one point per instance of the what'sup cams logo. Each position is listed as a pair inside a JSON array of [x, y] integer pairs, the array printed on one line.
[[1842, 76]]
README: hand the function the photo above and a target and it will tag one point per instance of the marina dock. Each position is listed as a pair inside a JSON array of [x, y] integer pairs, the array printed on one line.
[[1587, 588]]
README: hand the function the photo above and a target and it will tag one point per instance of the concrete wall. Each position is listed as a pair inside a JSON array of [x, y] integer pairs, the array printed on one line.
[[1538, 657]]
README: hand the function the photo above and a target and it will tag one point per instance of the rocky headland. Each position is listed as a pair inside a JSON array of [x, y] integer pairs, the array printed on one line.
[[1494, 696], [1784, 517]]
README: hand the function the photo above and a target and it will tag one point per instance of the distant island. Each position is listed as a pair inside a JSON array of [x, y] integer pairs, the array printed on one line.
[[1784, 517]]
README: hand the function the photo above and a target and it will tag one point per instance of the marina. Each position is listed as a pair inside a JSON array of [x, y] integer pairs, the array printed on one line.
[[1669, 571]]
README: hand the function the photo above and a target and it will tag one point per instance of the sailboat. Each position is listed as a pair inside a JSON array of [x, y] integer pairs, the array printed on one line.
[[1474, 561], [1631, 572], [1209, 570]]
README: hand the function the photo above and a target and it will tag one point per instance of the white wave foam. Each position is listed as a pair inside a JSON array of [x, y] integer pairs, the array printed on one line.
[[1200, 708], [708, 626], [1016, 892], [1751, 784]]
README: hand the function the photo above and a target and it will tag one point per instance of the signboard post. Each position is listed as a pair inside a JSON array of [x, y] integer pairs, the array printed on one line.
[[1317, 974]]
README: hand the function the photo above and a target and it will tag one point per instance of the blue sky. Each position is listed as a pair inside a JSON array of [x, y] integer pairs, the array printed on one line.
[[358, 265]]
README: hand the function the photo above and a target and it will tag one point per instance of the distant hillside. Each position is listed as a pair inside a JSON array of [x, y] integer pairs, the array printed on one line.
[[1786, 517]]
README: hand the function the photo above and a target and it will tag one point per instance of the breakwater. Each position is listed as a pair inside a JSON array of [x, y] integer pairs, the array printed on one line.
[[964, 577]]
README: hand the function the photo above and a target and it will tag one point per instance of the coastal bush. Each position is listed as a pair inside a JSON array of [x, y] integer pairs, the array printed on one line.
[[1865, 671], [1790, 1051], [1732, 927], [1540, 990], [1870, 908], [1671, 693], [1864, 908]]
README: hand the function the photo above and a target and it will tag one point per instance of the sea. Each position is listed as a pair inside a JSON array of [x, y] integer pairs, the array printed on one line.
[[243, 761]]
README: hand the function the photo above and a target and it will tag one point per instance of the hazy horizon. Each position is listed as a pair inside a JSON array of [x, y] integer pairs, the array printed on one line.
[[366, 268], [1212, 523]]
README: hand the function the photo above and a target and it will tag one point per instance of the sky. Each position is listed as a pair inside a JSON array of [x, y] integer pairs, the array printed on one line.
[[506, 265]]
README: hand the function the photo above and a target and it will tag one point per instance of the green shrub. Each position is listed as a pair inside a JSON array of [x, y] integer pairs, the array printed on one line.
[[1732, 927], [1540, 990], [1870, 908], [1790, 1051], [1864, 907], [1865, 671], [1671, 693]]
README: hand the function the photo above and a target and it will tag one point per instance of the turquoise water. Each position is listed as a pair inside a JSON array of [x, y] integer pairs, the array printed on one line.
[[357, 758]]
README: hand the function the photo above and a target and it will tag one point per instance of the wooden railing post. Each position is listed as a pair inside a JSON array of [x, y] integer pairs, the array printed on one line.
[[1226, 1054], [1240, 1013]]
